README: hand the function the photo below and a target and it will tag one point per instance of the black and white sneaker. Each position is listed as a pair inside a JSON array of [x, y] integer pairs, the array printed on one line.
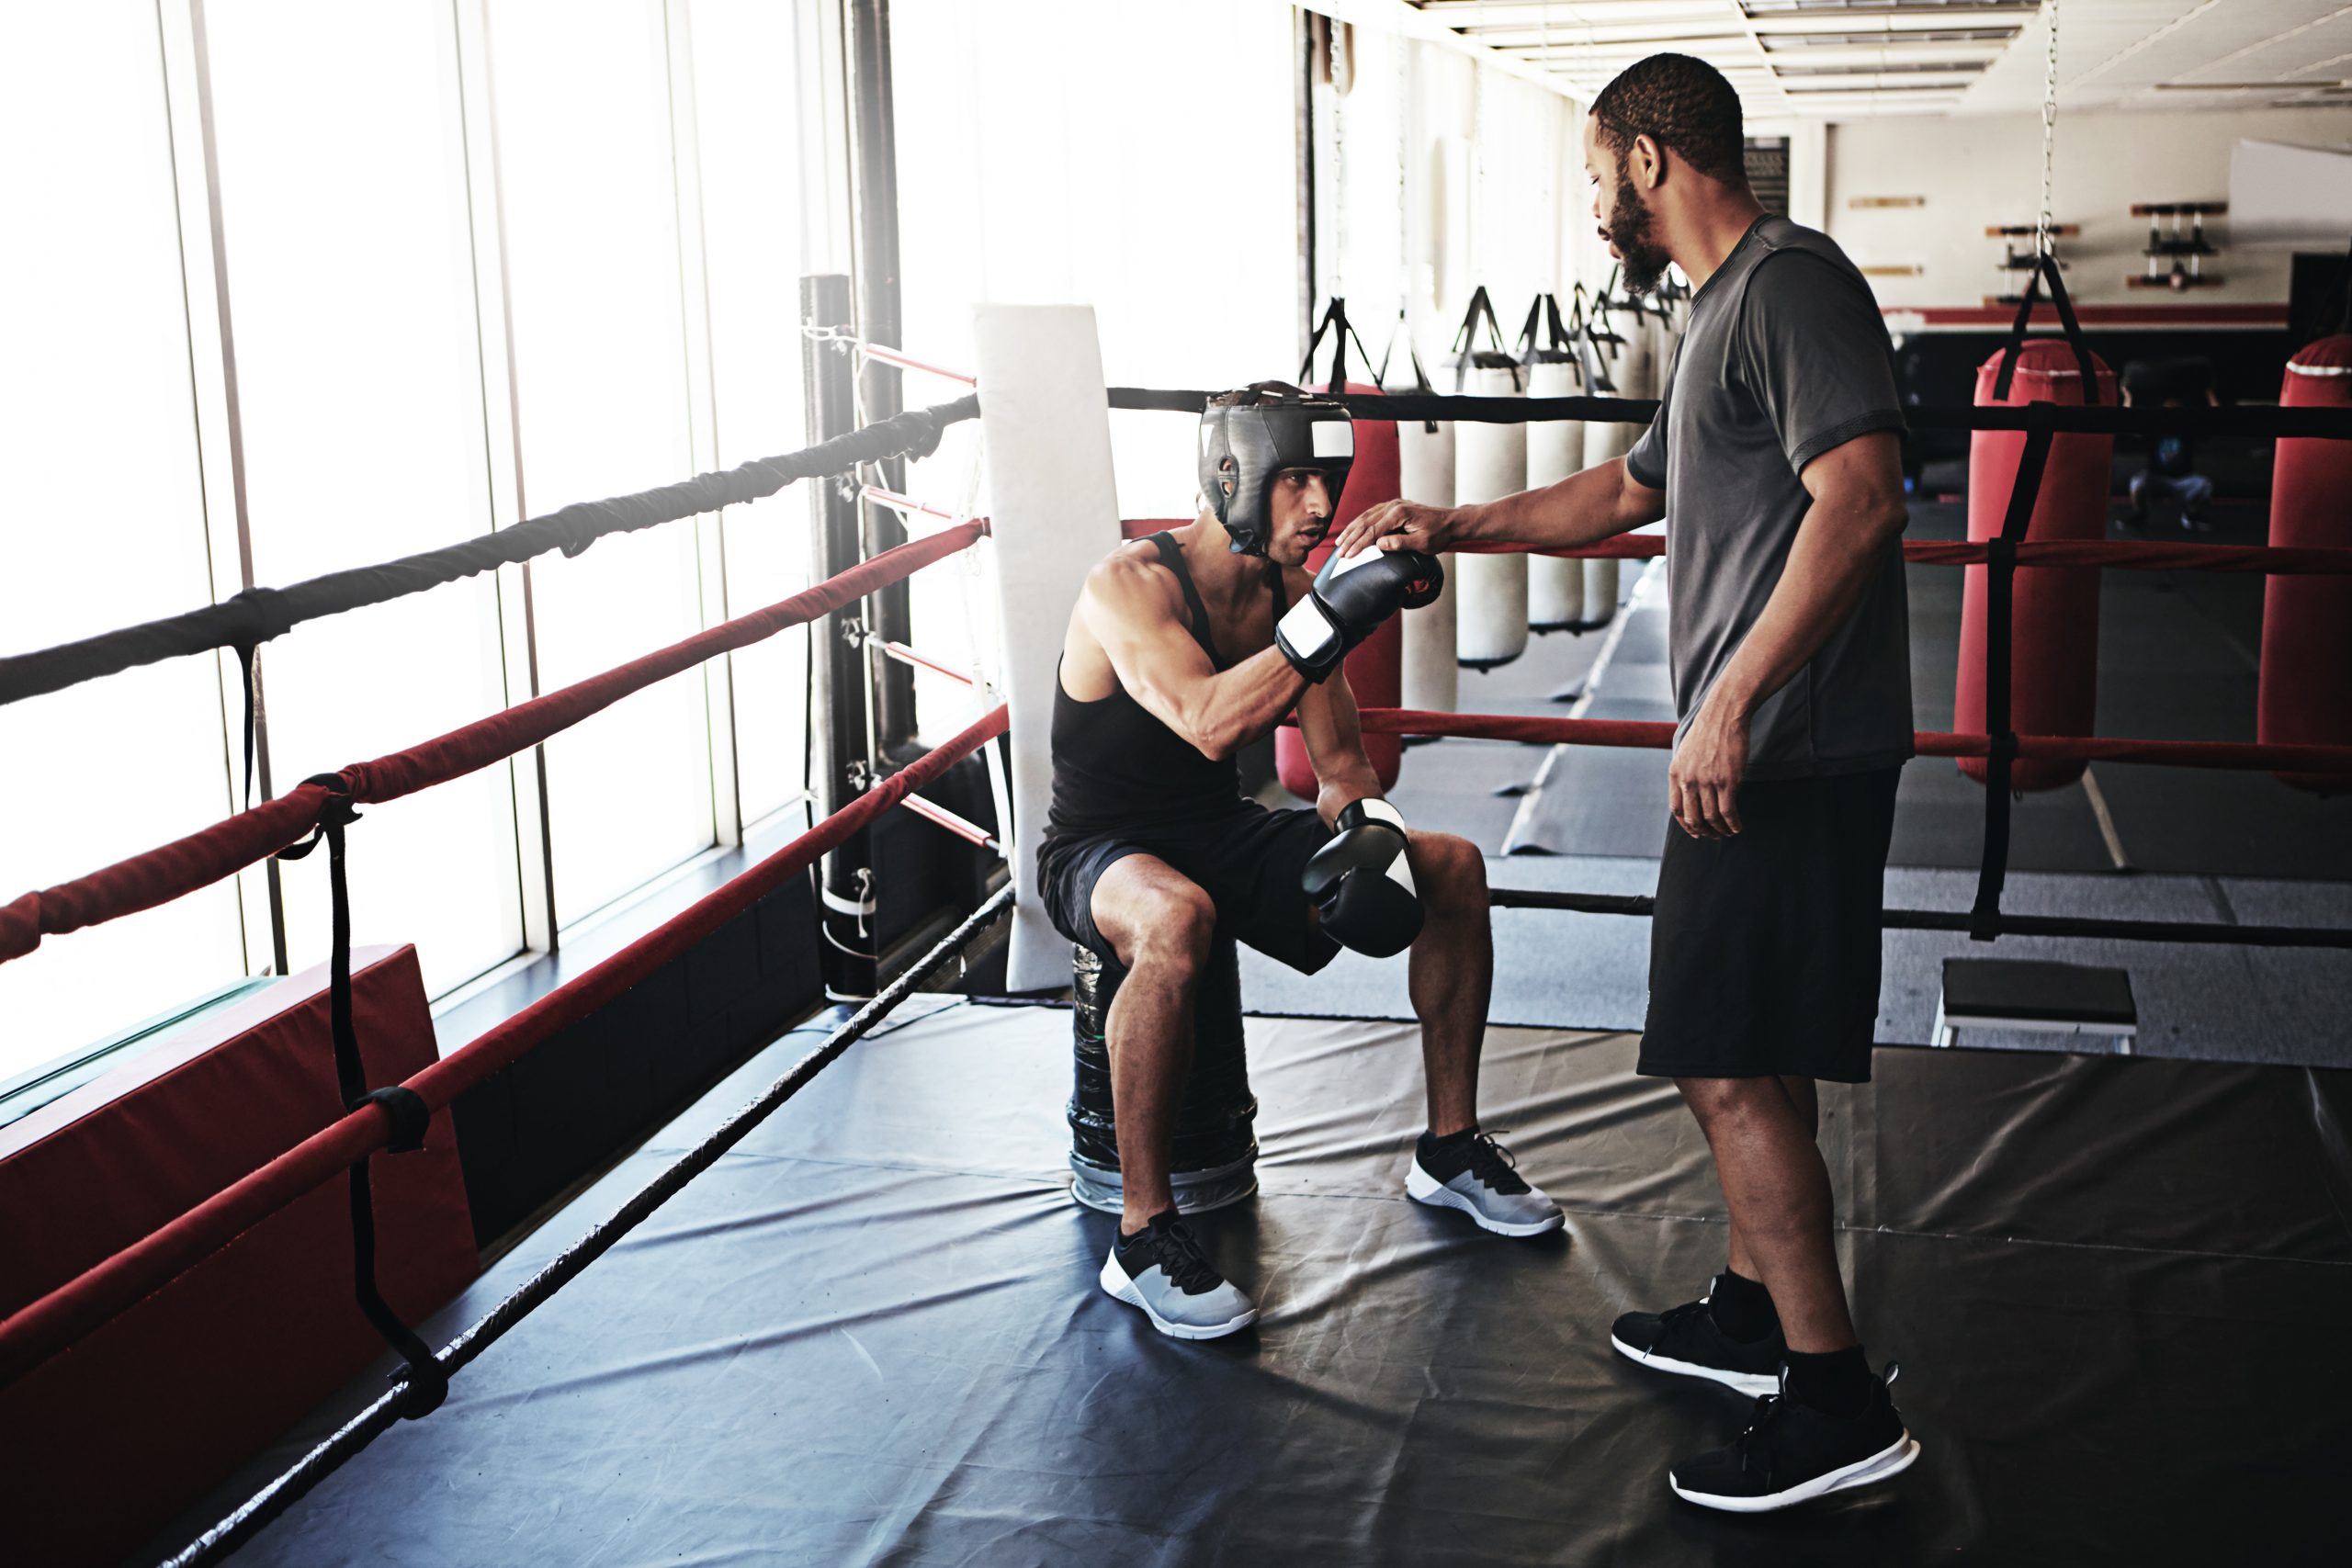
[[1791, 1453], [1471, 1172], [1688, 1341], [1162, 1269]]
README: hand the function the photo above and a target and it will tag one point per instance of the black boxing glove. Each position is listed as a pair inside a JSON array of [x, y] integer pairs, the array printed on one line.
[[1362, 883], [1347, 602]]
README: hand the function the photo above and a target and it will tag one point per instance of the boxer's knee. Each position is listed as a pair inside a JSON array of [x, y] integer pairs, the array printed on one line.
[[1450, 874]]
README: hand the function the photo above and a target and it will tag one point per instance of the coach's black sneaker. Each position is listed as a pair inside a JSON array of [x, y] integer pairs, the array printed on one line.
[[1471, 1172], [1792, 1453], [1162, 1269], [1690, 1340]]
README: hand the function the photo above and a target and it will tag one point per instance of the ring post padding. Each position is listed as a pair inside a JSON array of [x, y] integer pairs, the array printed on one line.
[[2305, 695], [1046, 420], [1491, 462], [1213, 1148]]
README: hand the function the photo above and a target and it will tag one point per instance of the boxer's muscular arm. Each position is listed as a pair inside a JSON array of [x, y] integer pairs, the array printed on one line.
[[1327, 720], [1133, 611]]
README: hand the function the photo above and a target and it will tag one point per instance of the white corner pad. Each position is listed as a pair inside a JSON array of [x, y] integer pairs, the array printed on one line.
[[1054, 511]]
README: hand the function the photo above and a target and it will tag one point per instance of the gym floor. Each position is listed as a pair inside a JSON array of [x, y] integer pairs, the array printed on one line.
[[872, 1332]]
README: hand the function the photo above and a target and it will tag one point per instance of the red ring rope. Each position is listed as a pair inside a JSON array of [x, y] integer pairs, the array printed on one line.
[[2125, 554], [226, 848], [1659, 735]]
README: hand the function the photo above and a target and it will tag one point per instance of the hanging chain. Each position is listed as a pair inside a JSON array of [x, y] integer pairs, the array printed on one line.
[[2042, 243], [1407, 280], [1477, 246], [1339, 159], [1551, 207]]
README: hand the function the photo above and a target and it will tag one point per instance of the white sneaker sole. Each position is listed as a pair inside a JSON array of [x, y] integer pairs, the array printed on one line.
[[1747, 1382], [1423, 1188], [1884, 1465], [1118, 1287]]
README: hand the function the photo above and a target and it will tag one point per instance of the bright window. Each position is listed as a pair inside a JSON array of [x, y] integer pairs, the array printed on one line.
[[387, 253], [350, 265], [592, 264], [105, 522], [749, 138]]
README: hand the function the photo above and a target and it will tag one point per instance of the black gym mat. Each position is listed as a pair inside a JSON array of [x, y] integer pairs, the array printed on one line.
[[872, 1334]]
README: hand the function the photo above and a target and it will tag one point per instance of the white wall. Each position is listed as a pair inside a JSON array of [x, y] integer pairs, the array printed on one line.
[[1435, 177], [1139, 158], [1976, 171]]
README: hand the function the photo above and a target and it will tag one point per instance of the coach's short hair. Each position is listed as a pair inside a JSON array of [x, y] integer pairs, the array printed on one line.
[[1681, 102]]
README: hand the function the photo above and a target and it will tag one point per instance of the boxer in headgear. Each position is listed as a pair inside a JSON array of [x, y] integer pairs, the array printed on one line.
[[1245, 446], [1181, 650]]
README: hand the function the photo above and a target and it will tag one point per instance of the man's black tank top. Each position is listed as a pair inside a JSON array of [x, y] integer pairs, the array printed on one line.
[[1116, 765]]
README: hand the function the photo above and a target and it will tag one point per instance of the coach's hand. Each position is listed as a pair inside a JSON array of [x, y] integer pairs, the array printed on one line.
[[1399, 526], [1703, 783]]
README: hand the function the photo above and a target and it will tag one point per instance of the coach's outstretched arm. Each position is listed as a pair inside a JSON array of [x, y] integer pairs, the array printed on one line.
[[1592, 504]]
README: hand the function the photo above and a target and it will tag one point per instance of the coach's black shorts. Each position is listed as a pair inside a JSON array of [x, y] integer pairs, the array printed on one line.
[[1247, 860], [1764, 951]]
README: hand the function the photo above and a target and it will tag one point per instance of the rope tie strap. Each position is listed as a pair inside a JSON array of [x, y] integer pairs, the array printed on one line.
[[1335, 322], [245, 652], [426, 1385], [1465, 343], [407, 1111], [2000, 600]]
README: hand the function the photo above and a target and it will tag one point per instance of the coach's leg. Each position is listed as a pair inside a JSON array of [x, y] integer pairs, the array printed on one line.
[[1804, 1096], [1778, 1191], [1159, 922]]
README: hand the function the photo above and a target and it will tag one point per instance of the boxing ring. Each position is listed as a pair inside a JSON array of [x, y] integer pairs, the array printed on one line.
[[887, 1322]]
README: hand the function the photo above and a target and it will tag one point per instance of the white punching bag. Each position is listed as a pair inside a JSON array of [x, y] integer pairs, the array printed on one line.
[[1425, 473], [1554, 450], [1629, 362], [1490, 462]]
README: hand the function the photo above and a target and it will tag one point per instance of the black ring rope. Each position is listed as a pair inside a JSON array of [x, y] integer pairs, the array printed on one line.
[[247, 619], [2062, 419], [379, 1417]]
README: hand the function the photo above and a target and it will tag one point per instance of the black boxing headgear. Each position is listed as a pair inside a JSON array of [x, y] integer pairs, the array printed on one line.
[[1244, 445]]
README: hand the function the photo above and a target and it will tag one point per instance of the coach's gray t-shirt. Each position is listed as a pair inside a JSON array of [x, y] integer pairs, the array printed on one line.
[[1784, 357]]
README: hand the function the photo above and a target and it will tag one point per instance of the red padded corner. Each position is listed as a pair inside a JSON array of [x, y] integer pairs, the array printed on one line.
[[110, 1440]]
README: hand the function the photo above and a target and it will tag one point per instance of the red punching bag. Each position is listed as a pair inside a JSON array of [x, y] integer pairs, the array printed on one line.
[[1376, 667], [2054, 684], [2306, 692]]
